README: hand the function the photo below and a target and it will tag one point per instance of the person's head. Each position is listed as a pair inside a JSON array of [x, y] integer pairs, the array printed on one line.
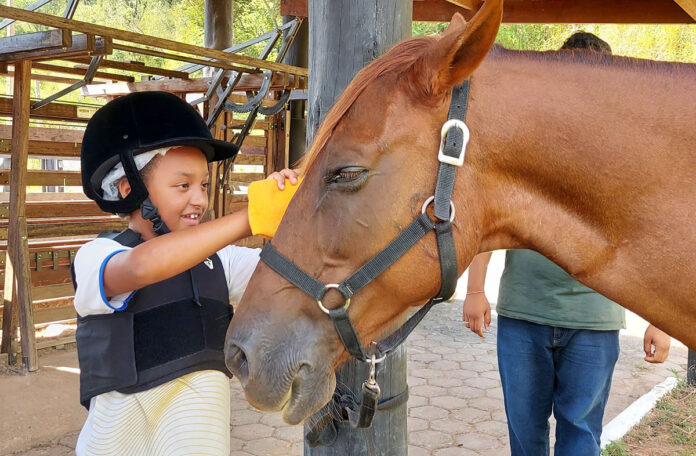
[[133, 150], [585, 40], [177, 183]]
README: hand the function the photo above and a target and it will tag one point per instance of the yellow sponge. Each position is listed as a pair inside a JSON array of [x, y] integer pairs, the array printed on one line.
[[267, 204]]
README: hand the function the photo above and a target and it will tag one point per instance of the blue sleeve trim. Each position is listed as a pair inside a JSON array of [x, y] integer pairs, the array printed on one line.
[[101, 284]]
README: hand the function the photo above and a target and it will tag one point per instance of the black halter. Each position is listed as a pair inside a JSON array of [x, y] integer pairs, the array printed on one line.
[[451, 156]]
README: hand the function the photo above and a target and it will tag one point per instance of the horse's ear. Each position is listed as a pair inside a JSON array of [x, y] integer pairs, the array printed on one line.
[[463, 46], [456, 25]]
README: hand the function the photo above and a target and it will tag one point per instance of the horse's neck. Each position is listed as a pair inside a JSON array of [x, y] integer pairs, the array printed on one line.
[[578, 162]]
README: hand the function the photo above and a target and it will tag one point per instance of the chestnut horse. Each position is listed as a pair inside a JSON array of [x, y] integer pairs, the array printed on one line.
[[587, 158]]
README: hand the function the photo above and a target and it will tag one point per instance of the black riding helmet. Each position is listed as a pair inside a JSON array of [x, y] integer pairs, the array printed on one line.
[[137, 123]]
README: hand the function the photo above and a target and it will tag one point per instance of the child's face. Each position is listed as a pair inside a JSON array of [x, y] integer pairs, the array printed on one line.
[[178, 186]]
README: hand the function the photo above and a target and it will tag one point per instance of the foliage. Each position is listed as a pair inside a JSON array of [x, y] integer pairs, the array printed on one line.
[[182, 20]]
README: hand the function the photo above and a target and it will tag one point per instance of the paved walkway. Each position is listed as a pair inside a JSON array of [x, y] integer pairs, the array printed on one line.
[[455, 407]]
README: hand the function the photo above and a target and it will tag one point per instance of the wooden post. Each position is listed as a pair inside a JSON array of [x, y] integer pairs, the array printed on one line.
[[218, 24], [17, 297], [370, 28], [297, 55], [218, 34], [691, 368]]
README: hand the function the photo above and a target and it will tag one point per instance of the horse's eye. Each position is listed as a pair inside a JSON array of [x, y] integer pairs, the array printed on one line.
[[350, 177]]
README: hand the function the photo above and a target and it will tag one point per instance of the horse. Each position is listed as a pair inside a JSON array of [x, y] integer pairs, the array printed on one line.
[[586, 158]]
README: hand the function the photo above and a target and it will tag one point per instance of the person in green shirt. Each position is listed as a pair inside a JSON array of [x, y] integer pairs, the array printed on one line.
[[558, 342]]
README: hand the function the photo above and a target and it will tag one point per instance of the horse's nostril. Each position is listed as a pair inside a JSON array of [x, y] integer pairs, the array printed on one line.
[[236, 361]]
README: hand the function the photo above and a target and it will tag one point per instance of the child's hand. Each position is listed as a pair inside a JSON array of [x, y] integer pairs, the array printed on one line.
[[280, 176]]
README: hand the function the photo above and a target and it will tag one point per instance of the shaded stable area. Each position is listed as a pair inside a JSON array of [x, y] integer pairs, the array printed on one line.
[[242, 98], [454, 394]]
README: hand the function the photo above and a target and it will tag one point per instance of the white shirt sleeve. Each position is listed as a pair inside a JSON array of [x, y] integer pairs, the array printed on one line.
[[89, 265], [239, 263]]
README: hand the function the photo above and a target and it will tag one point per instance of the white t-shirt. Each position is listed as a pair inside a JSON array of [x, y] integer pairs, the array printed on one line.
[[190, 414], [238, 263]]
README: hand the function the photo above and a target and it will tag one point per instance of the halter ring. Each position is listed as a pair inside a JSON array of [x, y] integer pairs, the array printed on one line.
[[321, 306], [430, 200]]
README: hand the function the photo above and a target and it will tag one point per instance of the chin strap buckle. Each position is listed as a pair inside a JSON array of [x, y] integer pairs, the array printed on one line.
[[149, 212]]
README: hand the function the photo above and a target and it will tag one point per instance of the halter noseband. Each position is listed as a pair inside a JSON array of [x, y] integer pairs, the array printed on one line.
[[453, 140]]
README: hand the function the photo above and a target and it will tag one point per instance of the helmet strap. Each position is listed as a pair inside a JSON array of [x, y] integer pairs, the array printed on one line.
[[149, 212]]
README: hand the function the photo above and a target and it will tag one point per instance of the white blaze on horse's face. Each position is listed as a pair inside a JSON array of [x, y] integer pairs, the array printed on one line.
[[355, 198]]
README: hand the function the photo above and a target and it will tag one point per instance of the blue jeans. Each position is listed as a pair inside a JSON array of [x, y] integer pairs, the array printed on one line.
[[545, 368]]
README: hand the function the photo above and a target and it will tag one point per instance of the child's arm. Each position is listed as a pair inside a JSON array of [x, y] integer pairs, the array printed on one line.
[[173, 253]]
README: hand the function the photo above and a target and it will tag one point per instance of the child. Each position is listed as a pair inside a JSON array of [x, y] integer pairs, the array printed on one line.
[[153, 301]]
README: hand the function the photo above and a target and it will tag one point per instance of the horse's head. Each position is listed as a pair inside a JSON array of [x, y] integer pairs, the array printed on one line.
[[372, 165]]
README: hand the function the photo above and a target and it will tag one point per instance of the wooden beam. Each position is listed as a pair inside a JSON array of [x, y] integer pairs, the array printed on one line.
[[689, 6], [250, 159], [595, 11], [195, 85], [179, 58], [45, 148], [135, 67], [74, 228], [81, 72], [46, 134], [124, 35], [38, 41], [17, 277], [47, 78], [44, 177], [48, 209], [246, 177], [55, 110], [82, 45], [548, 11], [468, 4]]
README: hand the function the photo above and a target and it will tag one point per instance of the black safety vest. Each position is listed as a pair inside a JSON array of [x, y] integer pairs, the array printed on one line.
[[167, 330]]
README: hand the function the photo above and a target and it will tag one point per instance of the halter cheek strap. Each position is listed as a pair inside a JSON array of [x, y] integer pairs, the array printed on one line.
[[454, 138]]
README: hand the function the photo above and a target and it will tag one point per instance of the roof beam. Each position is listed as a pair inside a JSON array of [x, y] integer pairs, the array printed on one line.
[[136, 67], [548, 11], [81, 72], [689, 6], [82, 45], [194, 85], [38, 41]]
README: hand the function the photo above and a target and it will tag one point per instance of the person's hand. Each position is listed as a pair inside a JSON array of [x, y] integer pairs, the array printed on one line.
[[658, 339], [280, 176], [475, 310]]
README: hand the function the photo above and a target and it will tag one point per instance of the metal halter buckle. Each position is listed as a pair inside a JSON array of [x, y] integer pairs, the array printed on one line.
[[431, 199], [459, 160], [324, 309], [371, 381]]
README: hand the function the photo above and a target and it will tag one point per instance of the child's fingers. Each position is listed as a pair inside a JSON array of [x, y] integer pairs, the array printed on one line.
[[290, 174], [279, 178]]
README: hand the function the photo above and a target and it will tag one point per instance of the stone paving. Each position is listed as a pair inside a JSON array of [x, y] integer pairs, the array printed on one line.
[[455, 406]]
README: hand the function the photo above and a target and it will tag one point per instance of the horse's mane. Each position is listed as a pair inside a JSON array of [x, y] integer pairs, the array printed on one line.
[[591, 57], [410, 52], [398, 59]]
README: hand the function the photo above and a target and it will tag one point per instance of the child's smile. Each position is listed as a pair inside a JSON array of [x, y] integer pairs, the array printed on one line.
[[191, 219]]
